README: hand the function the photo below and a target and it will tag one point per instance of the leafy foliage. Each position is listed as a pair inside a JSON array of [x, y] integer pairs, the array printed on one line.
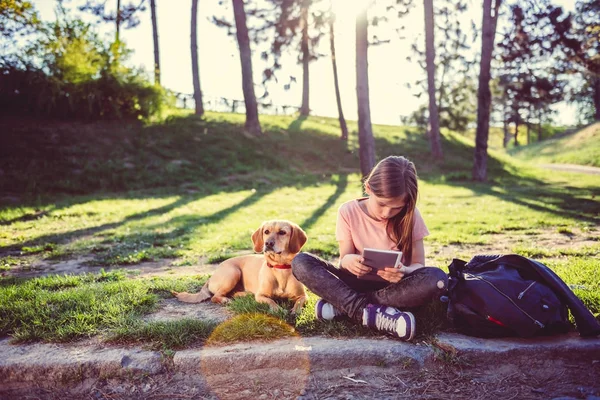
[[455, 81], [529, 80], [17, 16], [69, 73]]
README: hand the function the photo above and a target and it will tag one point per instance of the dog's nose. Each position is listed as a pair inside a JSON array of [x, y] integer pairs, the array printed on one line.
[[269, 244]]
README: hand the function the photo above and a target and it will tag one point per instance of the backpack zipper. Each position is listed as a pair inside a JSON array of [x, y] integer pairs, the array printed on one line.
[[535, 321], [520, 296]]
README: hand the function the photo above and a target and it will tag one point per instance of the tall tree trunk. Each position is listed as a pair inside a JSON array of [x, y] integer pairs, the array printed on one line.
[[118, 22], [505, 124], [596, 83], [517, 131], [434, 117], [484, 95], [506, 133], [366, 141], [194, 50], [252, 123], [305, 109], [336, 83], [155, 37], [540, 125]]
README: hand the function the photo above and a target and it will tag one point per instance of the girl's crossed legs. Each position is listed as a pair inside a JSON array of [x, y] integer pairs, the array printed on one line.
[[351, 295]]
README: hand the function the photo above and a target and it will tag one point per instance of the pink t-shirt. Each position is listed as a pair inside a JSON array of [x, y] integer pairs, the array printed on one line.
[[363, 231]]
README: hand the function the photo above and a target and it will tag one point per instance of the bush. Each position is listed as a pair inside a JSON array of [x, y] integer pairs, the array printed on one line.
[[33, 92], [69, 74]]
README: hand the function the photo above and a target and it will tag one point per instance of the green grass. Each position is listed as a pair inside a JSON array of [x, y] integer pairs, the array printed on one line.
[[163, 334], [185, 191], [581, 147], [68, 307]]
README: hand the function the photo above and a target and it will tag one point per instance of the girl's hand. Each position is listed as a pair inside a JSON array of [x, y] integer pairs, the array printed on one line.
[[353, 264], [393, 275]]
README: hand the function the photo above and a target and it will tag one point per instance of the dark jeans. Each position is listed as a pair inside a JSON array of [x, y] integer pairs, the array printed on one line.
[[350, 294]]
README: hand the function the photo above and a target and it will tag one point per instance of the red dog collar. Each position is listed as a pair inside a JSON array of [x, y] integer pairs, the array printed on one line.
[[280, 266]]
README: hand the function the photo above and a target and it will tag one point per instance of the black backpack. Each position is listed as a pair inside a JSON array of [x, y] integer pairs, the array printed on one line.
[[496, 296]]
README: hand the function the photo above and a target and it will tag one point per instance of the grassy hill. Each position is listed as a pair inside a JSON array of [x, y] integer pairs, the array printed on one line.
[[188, 191], [581, 147]]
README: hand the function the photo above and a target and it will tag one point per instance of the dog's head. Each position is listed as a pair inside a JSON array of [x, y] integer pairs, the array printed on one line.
[[279, 239]]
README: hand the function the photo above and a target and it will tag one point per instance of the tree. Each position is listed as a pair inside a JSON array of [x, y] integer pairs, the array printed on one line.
[[194, 50], [434, 121], [17, 16], [305, 51], [289, 17], [124, 14], [484, 96], [313, 23], [366, 140], [156, 46], [455, 90], [338, 98], [252, 123], [580, 39], [529, 73]]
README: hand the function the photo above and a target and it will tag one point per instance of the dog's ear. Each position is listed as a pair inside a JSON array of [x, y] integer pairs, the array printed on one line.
[[297, 239], [257, 239]]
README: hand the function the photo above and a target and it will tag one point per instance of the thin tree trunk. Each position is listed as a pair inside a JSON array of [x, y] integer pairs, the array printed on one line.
[[516, 131], [366, 141], [336, 83], [540, 125], [305, 109], [194, 50], [118, 22], [596, 84], [434, 118], [484, 95], [252, 123], [155, 37], [505, 125], [506, 133]]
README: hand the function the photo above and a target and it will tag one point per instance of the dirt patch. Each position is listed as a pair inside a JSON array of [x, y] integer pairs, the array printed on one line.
[[173, 310], [507, 243], [435, 381], [38, 267], [503, 243], [581, 169]]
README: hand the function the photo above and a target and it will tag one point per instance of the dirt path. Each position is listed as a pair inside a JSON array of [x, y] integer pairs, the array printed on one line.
[[582, 169], [437, 254]]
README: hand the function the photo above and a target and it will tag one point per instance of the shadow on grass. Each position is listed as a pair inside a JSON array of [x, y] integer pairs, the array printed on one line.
[[505, 182], [296, 125], [330, 202], [540, 196], [72, 235], [183, 154]]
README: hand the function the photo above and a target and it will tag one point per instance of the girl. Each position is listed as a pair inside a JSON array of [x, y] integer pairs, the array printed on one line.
[[387, 219]]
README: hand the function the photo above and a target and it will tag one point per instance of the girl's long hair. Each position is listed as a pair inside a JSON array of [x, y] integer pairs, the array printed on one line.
[[393, 177]]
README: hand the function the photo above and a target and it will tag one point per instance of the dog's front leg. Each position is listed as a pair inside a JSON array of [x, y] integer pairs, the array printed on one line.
[[261, 298], [298, 304]]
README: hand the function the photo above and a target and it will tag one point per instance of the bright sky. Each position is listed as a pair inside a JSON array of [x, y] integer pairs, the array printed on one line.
[[220, 72]]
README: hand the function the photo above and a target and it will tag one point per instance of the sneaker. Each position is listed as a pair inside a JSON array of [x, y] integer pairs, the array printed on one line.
[[326, 311], [390, 320]]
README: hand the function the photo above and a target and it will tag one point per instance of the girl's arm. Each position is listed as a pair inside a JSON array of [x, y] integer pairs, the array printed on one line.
[[395, 275], [351, 261]]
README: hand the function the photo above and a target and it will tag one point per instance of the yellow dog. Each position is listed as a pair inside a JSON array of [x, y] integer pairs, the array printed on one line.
[[266, 275]]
